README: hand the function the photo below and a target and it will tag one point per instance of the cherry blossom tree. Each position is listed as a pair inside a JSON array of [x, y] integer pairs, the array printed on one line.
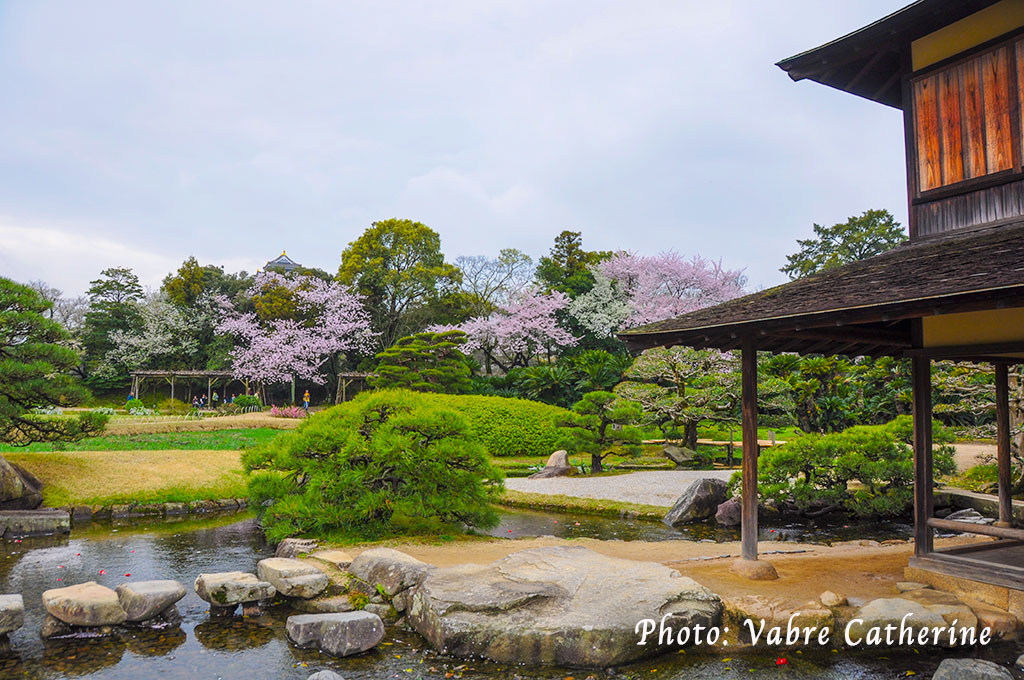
[[652, 288], [327, 319], [520, 332]]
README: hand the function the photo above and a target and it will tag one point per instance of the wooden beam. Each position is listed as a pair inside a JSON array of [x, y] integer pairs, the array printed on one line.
[[1003, 444], [981, 529], [850, 333], [954, 351], [921, 368], [748, 530]]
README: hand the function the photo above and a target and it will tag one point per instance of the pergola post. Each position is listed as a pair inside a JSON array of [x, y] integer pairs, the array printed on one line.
[[172, 387], [748, 565], [1003, 444], [209, 393], [921, 369]]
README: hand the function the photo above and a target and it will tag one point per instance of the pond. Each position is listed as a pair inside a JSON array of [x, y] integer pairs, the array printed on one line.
[[257, 649]]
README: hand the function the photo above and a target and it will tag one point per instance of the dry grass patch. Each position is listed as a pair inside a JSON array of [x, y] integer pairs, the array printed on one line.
[[105, 477], [162, 424]]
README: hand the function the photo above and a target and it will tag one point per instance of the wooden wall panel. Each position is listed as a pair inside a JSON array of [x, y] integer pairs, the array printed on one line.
[[973, 119], [973, 209], [949, 120], [929, 163], [996, 85]]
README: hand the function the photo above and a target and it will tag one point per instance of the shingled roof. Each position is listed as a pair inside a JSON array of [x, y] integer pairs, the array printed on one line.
[[863, 307]]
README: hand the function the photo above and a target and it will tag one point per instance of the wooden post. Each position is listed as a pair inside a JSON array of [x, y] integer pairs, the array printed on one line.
[[172, 387], [921, 368], [729, 450], [748, 529], [1003, 445], [209, 393]]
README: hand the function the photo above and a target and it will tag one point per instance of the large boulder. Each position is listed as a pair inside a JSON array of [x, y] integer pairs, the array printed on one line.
[[292, 578], [729, 513], [680, 455], [699, 502], [971, 669], [293, 547], [143, 600], [392, 570], [566, 606], [85, 604], [229, 589], [19, 489], [336, 634], [557, 466], [12, 613]]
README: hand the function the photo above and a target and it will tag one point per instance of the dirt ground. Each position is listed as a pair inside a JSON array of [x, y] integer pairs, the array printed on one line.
[[970, 454], [859, 570]]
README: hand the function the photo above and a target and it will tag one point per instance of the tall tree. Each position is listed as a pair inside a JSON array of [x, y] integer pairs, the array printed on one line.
[[112, 306], [398, 267], [566, 268], [860, 237], [491, 283], [425, 362], [35, 362]]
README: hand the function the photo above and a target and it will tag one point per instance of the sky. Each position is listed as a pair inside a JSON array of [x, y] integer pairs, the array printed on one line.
[[139, 134]]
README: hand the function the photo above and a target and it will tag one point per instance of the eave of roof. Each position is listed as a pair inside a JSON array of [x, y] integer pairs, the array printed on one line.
[[956, 273], [870, 61]]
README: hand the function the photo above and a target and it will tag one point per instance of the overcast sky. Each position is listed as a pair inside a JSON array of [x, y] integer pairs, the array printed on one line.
[[137, 134]]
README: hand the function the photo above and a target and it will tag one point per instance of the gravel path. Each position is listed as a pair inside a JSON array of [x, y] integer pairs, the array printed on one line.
[[653, 487]]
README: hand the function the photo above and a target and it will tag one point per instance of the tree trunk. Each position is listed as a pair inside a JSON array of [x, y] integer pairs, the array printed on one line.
[[690, 436], [595, 463]]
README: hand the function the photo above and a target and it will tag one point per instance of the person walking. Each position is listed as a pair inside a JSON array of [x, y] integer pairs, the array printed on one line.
[[131, 395], [305, 401], [215, 399]]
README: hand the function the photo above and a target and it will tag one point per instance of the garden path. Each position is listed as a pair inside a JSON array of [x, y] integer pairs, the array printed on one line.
[[650, 487]]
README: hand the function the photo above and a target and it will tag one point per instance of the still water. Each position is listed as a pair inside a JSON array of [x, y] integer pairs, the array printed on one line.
[[257, 649]]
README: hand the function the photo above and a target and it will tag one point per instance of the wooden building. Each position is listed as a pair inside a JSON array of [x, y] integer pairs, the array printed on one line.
[[954, 291]]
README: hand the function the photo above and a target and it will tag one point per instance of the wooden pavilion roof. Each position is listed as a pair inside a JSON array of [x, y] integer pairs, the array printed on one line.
[[863, 308], [870, 61]]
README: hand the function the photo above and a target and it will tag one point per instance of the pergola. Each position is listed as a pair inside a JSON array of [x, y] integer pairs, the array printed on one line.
[[212, 379]]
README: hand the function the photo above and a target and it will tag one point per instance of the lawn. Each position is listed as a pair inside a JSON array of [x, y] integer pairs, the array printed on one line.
[[110, 477], [219, 440]]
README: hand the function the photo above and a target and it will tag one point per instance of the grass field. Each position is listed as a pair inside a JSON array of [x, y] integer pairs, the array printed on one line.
[[109, 477], [214, 440], [163, 424]]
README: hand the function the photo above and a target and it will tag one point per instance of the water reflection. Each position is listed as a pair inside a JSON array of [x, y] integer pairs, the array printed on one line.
[[257, 648]]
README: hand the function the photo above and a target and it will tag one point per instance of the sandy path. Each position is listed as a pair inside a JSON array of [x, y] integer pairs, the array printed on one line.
[[652, 487], [969, 455]]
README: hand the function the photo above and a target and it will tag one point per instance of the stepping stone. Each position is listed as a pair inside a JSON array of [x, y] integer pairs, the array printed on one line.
[[338, 558], [907, 586], [226, 590], [336, 604], [143, 600], [336, 634], [393, 570], [971, 669], [85, 604], [325, 675], [292, 578], [12, 613], [830, 599], [293, 547]]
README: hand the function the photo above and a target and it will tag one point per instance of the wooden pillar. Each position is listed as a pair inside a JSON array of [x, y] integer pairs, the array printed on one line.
[[748, 529], [1003, 444], [172, 387], [921, 368], [209, 392]]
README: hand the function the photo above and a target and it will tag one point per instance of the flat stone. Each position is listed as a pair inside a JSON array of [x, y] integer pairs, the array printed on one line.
[[1002, 624], [552, 472], [231, 588], [755, 570], [907, 586], [85, 604], [291, 577], [971, 669], [21, 523], [337, 558], [679, 455], [831, 600], [775, 611], [891, 611], [566, 606], [12, 613], [336, 604], [175, 509], [386, 612], [699, 502], [325, 675], [393, 570], [336, 634], [143, 600], [293, 547]]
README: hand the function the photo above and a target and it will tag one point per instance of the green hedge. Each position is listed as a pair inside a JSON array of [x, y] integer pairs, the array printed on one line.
[[506, 427]]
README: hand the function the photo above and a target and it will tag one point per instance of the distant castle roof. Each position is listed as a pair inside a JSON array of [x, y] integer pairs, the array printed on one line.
[[284, 262]]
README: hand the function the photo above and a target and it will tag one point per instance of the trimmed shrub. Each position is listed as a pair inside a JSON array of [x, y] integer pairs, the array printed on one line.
[[388, 462], [173, 407], [509, 427], [247, 401]]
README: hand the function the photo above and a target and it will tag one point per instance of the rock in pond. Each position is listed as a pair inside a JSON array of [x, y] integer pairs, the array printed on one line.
[[971, 669], [892, 611], [12, 613], [325, 675], [394, 571], [336, 634], [729, 513], [86, 604], [699, 502], [144, 600], [293, 547], [19, 489], [291, 577], [566, 606], [226, 590]]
